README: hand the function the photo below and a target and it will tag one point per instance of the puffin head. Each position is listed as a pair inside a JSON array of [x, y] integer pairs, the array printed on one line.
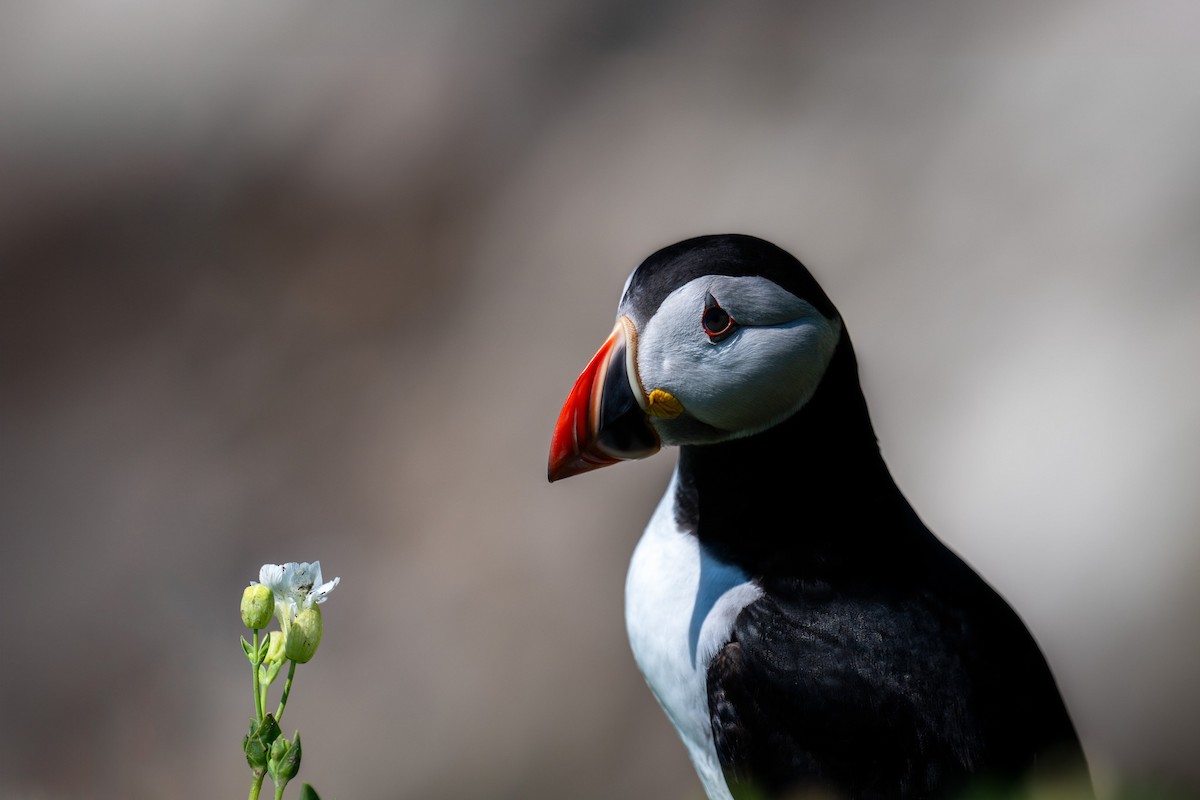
[[717, 338]]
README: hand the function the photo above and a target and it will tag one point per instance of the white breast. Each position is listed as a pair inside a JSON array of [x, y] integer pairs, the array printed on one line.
[[680, 605]]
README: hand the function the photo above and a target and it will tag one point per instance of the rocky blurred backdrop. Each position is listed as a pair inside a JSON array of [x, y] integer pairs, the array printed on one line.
[[290, 280]]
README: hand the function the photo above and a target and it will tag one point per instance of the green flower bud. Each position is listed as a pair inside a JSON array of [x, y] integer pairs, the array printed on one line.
[[291, 762], [275, 649], [285, 760], [256, 755], [258, 604], [258, 744], [304, 635]]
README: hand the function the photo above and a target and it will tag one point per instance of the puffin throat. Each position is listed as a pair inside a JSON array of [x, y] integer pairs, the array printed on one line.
[[805, 497]]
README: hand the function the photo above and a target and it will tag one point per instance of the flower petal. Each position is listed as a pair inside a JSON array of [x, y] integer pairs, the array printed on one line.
[[293, 585], [302, 576], [321, 593], [271, 576]]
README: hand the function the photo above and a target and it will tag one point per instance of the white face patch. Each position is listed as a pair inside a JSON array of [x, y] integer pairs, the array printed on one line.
[[758, 376]]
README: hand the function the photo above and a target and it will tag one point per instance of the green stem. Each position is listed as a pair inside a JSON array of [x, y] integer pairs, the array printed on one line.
[[287, 688], [263, 672], [279, 790], [256, 785], [258, 701]]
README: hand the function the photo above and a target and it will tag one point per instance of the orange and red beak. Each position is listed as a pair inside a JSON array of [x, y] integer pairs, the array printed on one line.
[[603, 420]]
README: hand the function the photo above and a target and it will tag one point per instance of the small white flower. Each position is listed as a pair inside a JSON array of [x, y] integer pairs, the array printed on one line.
[[296, 586]]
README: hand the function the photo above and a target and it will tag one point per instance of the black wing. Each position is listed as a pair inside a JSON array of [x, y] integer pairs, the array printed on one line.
[[889, 694]]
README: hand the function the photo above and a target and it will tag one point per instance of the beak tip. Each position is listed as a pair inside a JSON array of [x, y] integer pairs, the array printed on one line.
[[567, 462], [566, 466], [562, 457]]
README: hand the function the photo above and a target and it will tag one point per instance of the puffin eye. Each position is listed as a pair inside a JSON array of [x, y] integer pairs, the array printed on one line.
[[716, 321]]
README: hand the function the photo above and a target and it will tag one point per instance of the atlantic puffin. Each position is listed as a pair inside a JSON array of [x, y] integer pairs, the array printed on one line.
[[801, 627]]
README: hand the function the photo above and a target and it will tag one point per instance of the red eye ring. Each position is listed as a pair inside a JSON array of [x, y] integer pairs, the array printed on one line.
[[716, 321]]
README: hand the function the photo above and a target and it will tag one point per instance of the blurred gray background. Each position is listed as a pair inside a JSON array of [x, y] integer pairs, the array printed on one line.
[[298, 280]]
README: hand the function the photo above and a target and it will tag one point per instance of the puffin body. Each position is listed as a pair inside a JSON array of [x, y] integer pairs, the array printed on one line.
[[800, 626]]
